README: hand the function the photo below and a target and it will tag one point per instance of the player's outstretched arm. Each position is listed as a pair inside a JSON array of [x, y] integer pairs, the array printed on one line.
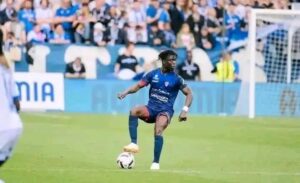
[[130, 90], [188, 102], [17, 103]]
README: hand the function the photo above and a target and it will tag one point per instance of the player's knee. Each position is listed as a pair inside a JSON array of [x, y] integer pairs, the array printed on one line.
[[136, 112], [133, 112], [158, 131]]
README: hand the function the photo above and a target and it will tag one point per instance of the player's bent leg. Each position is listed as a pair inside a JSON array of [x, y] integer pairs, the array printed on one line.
[[8, 140], [135, 113], [161, 124]]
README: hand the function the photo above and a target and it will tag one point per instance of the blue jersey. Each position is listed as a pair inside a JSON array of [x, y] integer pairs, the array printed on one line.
[[27, 17], [66, 12], [163, 90]]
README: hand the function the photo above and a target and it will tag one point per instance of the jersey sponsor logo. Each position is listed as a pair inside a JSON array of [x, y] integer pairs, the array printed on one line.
[[164, 92], [166, 83], [159, 97], [155, 79]]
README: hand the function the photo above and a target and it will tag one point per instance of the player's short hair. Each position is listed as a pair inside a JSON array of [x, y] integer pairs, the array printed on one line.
[[167, 55]]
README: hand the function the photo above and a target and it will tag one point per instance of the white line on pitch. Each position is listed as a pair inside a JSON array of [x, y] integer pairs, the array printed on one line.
[[49, 115], [159, 171]]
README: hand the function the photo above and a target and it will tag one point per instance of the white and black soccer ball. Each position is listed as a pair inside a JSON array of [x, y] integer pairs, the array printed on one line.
[[125, 160]]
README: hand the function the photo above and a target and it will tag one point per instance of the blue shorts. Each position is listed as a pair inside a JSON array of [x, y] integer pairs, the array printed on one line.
[[151, 115]]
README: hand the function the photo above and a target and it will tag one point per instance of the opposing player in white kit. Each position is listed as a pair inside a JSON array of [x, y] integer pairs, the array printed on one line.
[[10, 122]]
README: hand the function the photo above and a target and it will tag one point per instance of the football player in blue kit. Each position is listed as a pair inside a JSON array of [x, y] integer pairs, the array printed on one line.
[[164, 87]]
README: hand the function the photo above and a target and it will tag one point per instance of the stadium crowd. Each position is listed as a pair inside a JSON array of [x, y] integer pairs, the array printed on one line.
[[180, 23], [207, 24]]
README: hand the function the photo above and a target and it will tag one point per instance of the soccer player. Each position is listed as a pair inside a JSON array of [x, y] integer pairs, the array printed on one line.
[[164, 86], [10, 122]]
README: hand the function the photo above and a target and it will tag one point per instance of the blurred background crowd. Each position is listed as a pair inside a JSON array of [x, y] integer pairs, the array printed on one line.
[[211, 25], [170, 23]]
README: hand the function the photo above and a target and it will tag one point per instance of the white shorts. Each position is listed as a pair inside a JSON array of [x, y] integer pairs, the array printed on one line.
[[8, 140]]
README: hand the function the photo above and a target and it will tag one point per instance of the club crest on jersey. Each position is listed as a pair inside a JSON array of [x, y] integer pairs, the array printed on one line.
[[166, 83], [155, 79]]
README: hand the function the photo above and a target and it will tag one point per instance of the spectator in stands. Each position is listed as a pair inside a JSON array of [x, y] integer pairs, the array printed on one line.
[[220, 8], [185, 38], [122, 5], [27, 16], [153, 12], [7, 12], [44, 17], [226, 69], [115, 16], [82, 24], [240, 9], [189, 70], [126, 66], [36, 35], [195, 21], [186, 7], [156, 37], [17, 28], [248, 3], [75, 69], [100, 11], [137, 15], [203, 7], [164, 17], [137, 22], [233, 24], [170, 38], [212, 22], [123, 19], [138, 36], [65, 15], [100, 37], [177, 15], [281, 4], [263, 4], [204, 39], [245, 23], [117, 35], [59, 36]]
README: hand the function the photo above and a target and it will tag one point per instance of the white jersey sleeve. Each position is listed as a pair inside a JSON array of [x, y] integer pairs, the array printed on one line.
[[9, 119]]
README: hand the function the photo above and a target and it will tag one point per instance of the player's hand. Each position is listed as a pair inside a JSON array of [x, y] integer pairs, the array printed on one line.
[[182, 116], [122, 95]]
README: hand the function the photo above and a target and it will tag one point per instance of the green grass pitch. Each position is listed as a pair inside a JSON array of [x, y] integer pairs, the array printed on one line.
[[82, 148]]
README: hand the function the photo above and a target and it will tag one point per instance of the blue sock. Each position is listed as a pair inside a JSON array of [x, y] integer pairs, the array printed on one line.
[[158, 144], [133, 124]]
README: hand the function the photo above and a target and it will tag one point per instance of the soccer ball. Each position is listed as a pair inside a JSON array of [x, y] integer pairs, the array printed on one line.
[[125, 160]]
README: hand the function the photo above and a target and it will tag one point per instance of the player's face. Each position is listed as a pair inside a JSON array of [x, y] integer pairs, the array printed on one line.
[[170, 63]]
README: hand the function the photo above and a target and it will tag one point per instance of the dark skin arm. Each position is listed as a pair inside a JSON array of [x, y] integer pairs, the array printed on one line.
[[130, 90], [17, 104], [188, 101]]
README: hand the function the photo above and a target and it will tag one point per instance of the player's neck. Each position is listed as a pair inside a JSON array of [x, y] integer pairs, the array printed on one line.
[[164, 70]]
